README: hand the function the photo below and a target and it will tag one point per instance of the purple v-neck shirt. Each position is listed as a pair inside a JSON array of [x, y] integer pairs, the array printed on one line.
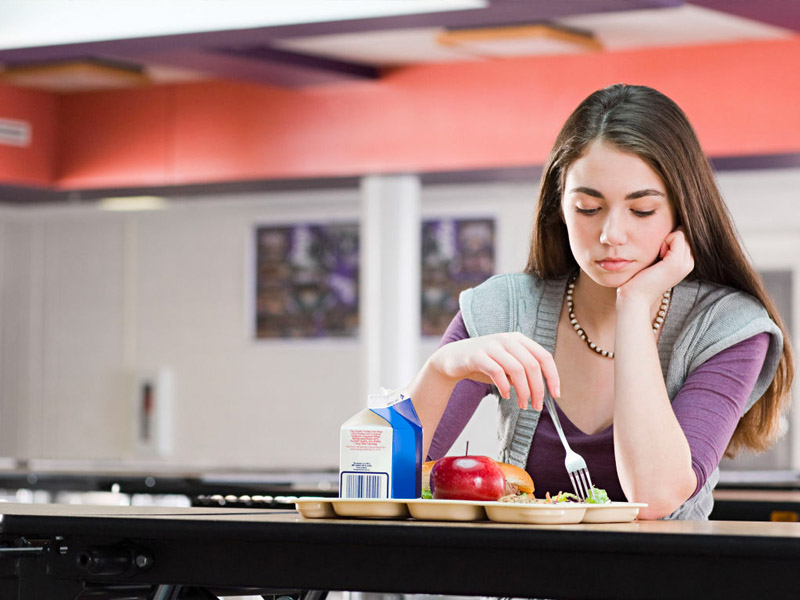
[[707, 407]]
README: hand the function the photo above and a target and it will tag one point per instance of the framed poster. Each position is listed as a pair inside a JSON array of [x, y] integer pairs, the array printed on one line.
[[456, 254], [306, 282]]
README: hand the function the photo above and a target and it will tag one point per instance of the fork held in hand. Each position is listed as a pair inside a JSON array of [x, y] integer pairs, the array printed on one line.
[[576, 466]]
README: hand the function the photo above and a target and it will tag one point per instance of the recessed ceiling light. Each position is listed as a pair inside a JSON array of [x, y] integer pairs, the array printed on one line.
[[520, 40], [133, 203], [74, 75]]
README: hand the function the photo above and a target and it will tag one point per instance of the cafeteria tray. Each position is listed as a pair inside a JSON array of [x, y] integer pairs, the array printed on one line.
[[465, 510]]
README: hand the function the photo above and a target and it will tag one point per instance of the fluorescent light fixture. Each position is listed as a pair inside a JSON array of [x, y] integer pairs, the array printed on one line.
[[31, 23], [520, 40], [133, 203], [74, 75]]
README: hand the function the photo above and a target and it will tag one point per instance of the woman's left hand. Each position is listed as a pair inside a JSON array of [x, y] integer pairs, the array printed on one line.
[[675, 264]]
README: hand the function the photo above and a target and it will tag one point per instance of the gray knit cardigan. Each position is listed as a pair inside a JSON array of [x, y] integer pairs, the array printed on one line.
[[703, 319]]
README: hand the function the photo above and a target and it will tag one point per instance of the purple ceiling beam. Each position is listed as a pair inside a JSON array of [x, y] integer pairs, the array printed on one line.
[[782, 13], [260, 65], [308, 69]]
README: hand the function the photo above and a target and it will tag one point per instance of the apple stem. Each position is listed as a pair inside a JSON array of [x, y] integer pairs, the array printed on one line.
[[466, 453]]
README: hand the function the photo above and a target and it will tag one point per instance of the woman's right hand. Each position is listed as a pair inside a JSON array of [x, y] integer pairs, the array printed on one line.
[[503, 359]]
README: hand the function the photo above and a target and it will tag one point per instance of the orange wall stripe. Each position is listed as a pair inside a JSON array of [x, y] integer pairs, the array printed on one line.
[[116, 138], [742, 98], [33, 165]]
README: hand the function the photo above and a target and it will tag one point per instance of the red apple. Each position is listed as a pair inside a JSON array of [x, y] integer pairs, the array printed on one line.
[[467, 478]]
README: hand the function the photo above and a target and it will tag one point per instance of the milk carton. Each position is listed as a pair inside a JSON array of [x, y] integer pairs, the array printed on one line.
[[380, 452]]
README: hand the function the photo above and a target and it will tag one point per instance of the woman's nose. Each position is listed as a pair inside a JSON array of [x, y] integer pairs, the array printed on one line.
[[613, 232]]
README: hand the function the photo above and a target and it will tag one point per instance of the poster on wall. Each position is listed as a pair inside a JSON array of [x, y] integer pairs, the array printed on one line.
[[306, 281], [456, 254]]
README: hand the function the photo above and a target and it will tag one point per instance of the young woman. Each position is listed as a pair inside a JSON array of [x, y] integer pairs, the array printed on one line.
[[638, 312]]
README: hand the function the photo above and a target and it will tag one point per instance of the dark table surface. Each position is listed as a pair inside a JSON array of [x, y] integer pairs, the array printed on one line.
[[282, 550]]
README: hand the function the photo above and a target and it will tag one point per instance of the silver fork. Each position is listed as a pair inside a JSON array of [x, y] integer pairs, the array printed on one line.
[[576, 466]]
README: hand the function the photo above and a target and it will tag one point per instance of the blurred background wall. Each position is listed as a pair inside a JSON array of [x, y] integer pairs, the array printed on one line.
[[90, 297], [93, 300]]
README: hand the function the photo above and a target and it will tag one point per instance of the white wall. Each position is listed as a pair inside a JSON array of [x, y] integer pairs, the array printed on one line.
[[20, 403], [766, 207], [90, 297]]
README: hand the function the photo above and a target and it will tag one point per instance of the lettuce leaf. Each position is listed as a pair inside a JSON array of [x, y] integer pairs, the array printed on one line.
[[597, 496]]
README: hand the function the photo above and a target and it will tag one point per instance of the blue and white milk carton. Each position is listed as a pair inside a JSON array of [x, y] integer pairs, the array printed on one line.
[[380, 452]]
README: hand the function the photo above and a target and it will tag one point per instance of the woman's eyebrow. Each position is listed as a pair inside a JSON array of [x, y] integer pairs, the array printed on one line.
[[632, 196], [643, 194], [587, 191]]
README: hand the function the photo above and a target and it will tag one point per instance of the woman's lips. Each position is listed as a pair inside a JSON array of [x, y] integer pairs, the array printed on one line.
[[613, 264]]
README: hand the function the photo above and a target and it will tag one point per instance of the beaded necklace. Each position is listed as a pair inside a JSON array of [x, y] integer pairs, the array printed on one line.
[[659, 320]]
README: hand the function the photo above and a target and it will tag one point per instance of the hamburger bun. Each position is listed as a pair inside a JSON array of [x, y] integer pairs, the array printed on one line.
[[517, 480]]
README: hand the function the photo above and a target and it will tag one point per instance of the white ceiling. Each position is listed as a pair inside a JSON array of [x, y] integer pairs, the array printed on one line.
[[616, 31], [29, 23]]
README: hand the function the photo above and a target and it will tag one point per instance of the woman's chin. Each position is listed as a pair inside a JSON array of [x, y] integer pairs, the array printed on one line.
[[610, 279]]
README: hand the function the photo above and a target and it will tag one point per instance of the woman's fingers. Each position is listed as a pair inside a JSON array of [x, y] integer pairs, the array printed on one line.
[[532, 371], [546, 363], [527, 366], [514, 372], [678, 252], [505, 360], [662, 252], [497, 374]]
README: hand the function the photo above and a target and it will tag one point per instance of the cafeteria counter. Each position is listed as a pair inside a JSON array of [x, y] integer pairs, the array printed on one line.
[[757, 496], [65, 481]]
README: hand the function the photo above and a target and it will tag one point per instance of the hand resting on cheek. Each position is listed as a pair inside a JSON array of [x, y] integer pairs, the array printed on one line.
[[675, 264]]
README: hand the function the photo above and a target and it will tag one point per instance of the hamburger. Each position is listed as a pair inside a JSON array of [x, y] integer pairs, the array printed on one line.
[[517, 481]]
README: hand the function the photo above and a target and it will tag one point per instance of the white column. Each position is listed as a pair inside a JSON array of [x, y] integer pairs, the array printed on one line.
[[390, 279]]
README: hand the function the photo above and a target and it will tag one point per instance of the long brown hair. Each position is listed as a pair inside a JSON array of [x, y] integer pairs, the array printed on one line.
[[644, 122]]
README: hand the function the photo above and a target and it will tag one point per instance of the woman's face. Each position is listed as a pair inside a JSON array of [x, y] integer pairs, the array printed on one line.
[[617, 213]]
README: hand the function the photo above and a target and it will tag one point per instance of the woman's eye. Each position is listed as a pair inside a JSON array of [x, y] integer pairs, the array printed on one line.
[[644, 213], [586, 211]]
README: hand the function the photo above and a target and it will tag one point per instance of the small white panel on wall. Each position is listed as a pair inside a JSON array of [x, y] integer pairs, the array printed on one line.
[[15, 133], [152, 413]]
